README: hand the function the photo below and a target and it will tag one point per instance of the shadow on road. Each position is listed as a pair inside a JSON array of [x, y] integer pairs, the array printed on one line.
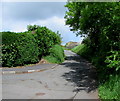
[[82, 74]]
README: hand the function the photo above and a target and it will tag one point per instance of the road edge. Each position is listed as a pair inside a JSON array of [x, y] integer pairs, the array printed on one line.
[[29, 70]]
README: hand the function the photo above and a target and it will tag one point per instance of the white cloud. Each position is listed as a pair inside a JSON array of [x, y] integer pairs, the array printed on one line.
[[19, 28], [16, 17], [54, 23], [58, 24], [14, 26]]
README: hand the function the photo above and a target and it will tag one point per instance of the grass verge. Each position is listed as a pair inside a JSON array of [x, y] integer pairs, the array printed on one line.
[[109, 84], [78, 48], [110, 89], [56, 55]]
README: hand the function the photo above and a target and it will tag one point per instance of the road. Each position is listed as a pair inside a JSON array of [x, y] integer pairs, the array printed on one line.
[[73, 79]]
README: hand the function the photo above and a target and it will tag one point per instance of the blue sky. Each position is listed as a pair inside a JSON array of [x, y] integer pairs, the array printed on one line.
[[17, 15]]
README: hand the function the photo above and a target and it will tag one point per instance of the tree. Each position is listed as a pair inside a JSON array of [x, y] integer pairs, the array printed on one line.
[[99, 21]]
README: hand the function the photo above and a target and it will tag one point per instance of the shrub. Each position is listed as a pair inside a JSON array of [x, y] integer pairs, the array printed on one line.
[[113, 60], [27, 47], [56, 54], [18, 49], [46, 39]]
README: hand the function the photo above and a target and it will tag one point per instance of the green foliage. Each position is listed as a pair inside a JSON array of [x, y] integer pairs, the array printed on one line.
[[113, 60], [32, 28], [28, 47], [96, 21], [78, 49], [83, 50], [64, 48], [100, 23], [110, 89], [46, 39], [18, 49], [56, 54]]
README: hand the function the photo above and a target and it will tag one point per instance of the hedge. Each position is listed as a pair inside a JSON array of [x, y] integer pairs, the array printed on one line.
[[46, 39], [27, 47], [18, 49]]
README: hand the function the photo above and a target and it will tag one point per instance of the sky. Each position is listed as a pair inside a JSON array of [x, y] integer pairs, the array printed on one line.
[[17, 15]]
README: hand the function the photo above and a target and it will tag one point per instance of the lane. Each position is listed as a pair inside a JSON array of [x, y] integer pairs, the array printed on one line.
[[73, 79]]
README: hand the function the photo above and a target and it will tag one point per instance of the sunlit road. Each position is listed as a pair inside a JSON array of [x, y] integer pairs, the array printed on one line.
[[73, 79]]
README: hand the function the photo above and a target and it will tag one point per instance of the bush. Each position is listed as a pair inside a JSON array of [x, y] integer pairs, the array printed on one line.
[[46, 39], [28, 47], [18, 49], [113, 60], [56, 54]]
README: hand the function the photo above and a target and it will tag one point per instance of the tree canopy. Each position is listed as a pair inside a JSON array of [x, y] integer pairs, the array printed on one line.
[[100, 22]]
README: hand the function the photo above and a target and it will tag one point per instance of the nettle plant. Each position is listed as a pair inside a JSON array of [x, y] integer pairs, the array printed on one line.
[[113, 60]]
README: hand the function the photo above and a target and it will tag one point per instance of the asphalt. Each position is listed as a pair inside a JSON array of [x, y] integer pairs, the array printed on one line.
[[28, 69], [74, 79]]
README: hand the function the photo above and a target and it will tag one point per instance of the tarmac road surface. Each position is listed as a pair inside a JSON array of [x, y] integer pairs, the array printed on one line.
[[75, 78]]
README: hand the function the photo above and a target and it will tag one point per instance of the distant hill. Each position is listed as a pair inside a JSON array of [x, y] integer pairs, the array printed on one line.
[[71, 44]]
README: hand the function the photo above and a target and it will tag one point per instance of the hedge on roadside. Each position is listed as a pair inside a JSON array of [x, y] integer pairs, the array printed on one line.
[[27, 47], [45, 39], [18, 49]]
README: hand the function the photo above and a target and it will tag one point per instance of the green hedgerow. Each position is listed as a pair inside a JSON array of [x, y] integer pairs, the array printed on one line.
[[46, 39], [18, 49]]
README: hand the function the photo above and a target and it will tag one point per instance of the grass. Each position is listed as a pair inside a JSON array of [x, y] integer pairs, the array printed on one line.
[[64, 48], [109, 89], [52, 59], [56, 55], [78, 48], [83, 51]]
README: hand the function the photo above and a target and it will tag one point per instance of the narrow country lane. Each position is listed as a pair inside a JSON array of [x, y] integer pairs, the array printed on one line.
[[73, 79]]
